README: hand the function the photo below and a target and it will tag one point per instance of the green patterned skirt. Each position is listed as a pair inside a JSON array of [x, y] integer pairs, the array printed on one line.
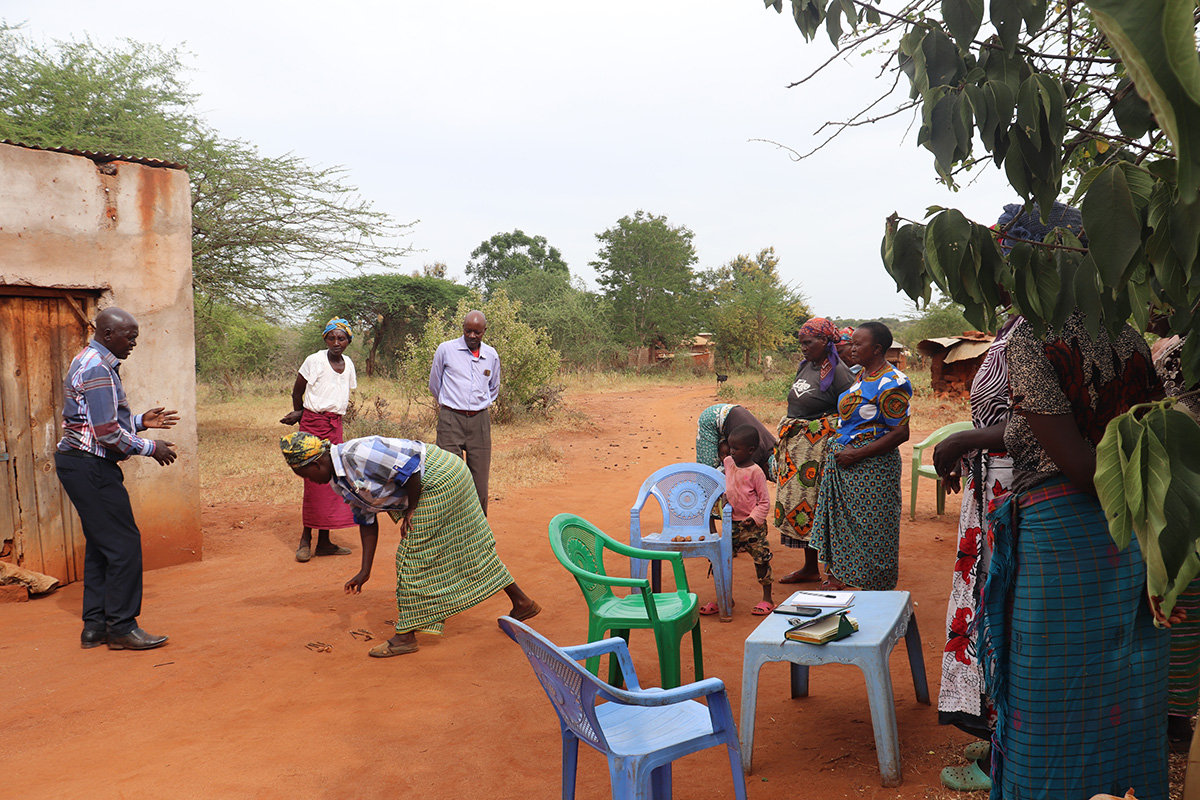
[[857, 530], [447, 562]]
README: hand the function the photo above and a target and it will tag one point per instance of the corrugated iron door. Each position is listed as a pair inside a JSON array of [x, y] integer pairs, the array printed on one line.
[[39, 335]]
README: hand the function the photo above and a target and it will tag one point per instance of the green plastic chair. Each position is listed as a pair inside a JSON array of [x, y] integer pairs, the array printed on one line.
[[579, 546], [919, 471]]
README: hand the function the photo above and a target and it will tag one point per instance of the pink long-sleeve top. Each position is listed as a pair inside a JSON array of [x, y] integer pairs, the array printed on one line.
[[746, 491]]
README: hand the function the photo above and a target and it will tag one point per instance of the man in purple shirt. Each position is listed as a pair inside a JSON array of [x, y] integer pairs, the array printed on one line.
[[98, 433], [465, 381]]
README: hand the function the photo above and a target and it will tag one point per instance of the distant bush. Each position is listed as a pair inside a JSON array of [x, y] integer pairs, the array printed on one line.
[[233, 344], [527, 361]]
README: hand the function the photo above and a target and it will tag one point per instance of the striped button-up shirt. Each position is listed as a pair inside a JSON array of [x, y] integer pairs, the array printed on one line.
[[370, 473], [96, 416]]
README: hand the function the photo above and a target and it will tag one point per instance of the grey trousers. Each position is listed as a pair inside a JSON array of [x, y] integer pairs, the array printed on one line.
[[457, 433]]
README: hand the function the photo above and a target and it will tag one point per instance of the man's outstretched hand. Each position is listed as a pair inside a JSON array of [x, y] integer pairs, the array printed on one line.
[[160, 418]]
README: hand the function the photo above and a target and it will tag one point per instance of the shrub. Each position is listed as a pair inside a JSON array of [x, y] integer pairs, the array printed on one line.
[[527, 361]]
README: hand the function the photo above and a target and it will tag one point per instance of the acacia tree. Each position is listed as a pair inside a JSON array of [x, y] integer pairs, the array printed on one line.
[[260, 224], [754, 309], [509, 255], [645, 267], [385, 309], [1104, 93]]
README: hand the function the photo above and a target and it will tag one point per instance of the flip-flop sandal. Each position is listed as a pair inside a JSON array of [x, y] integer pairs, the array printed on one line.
[[387, 650], [708, 609], [762, 609], [799, 577], [334, 550], [303, 553], [528, 613], [978, 751], [966, 779]]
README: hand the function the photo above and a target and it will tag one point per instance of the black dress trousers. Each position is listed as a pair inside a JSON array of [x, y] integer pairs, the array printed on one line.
[[112, 564]]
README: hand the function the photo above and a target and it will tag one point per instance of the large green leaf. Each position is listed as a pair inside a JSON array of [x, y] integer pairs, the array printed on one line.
[[942, 59], [1178, 461], [904, 258], [1006, 16], [1112, 225], [963, 18], [1134, 473], [1155, 40], [1132, 113], [1110, 478]]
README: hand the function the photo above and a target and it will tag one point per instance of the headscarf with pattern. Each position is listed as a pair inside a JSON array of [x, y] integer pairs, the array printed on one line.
[[846, 334], [822, 328], [1028, 226], [336, 323], [302, 448]]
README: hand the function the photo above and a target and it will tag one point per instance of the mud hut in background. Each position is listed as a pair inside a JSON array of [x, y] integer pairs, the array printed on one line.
[[954, 360], [80, 232]]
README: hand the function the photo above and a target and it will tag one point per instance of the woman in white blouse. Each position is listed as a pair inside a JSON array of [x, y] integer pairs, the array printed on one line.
[[320, 397]]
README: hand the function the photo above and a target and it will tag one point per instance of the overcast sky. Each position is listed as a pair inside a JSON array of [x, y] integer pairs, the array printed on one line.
[[559, 118]]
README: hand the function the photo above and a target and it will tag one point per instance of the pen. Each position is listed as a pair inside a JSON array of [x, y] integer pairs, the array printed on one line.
[[818, 594]]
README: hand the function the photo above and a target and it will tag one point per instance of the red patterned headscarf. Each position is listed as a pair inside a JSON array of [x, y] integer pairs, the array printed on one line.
[[823, 328], [819, 326]]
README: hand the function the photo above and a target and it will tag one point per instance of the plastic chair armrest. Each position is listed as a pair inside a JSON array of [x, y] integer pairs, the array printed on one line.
[[614, 645], [607, 580], [667, 697]]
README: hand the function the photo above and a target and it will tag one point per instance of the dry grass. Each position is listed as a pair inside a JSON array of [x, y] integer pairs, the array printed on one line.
[[527, 464], [239, 434], [239, 428]]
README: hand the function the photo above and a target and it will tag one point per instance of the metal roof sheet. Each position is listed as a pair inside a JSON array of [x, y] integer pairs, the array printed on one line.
[[99, 158]]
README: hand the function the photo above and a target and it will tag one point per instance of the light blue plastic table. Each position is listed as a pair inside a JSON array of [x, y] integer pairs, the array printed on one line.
[[883, 618]]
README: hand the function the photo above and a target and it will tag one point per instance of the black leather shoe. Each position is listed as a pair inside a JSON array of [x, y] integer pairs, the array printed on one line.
[[89, 638], [136, 639]]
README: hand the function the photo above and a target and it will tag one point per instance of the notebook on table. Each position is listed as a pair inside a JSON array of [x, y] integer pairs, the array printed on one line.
[[817, 599], [826, 628]]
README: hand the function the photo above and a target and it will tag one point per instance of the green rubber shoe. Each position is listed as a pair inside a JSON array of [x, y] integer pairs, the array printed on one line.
[[966, 779], [978, 751]]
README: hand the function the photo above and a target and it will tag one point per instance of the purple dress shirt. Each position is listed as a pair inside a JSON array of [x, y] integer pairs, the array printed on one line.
[[462, 381]]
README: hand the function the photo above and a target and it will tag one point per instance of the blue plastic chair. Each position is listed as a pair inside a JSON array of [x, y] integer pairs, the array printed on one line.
[[686, 493], [641, 731]]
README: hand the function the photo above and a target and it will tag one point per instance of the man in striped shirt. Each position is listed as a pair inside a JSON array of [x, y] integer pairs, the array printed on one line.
[[98, 433]]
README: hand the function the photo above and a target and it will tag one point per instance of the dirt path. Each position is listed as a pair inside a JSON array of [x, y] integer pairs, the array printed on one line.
[[237, 706]]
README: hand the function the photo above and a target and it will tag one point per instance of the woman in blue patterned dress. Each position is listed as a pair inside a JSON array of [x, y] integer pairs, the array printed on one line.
[[857, 528]]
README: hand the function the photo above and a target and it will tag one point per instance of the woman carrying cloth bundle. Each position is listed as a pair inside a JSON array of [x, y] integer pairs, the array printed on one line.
[[804, 432], [446, 561], [857, 529], [320, 398]]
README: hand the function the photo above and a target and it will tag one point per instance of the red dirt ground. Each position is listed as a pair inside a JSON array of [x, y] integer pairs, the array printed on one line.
[[237, 706]]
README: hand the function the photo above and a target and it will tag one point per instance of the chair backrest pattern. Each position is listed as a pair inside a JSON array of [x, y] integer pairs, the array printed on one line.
[[686, 494], [570, 688], [586, 552]]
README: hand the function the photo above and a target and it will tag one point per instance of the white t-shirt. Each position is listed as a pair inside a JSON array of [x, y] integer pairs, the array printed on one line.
[[327, 390]]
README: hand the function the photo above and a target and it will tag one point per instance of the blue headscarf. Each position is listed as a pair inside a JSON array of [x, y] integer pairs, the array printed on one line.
[[1019, 224], [336, 323]]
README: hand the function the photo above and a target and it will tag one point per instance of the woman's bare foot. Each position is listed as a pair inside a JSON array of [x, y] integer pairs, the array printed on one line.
[[801, 576]]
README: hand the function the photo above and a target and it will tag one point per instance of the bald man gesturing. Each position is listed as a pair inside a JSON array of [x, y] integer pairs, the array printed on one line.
[[465, 381], [99, 432]]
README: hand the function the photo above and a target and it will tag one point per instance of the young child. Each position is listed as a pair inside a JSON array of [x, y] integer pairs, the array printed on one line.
[[746, 493]]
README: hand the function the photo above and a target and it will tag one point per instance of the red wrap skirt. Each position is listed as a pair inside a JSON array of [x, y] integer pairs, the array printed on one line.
[[323, 508]]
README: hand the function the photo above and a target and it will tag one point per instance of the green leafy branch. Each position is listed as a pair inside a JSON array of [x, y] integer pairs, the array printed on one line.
[[1148, 482]]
